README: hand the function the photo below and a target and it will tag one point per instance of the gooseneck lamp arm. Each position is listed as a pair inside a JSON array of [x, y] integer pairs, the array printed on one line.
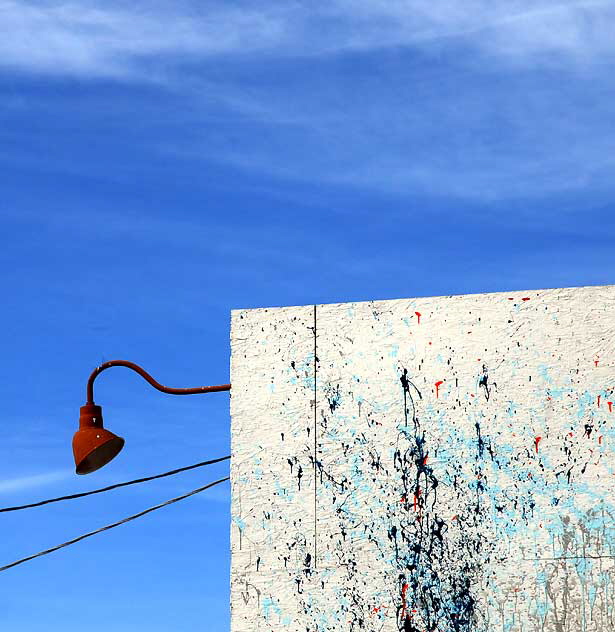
[[93, 445], [146, 376]]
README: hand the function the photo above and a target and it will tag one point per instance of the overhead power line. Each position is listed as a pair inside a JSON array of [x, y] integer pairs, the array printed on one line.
[[112, 526], [115, 486]]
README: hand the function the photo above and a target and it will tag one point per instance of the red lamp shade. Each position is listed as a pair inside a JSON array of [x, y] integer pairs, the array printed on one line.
[[93, 446]]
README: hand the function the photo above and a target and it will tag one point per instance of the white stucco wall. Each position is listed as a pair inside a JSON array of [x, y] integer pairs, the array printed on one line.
[[437, 464]]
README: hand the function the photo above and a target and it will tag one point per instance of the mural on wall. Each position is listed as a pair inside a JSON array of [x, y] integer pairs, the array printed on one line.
[[425, 465]]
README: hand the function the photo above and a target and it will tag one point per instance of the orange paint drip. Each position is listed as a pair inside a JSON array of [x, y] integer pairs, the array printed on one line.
[[536, 442], [418, 317], [404, 589], [438, 384]]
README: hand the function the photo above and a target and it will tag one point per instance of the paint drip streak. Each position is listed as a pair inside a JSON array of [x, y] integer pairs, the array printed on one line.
[[315, 443]]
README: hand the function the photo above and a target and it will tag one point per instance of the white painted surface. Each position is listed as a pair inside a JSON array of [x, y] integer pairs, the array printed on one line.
[[483, 503]]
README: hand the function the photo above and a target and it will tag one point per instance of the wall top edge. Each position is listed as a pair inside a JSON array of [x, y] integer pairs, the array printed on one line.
[[253, 310]]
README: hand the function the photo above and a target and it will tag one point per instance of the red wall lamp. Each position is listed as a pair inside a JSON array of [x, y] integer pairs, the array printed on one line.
[[93, 445]]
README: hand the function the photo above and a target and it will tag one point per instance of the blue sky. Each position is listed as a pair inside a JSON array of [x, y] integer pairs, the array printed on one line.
[[164, 163]]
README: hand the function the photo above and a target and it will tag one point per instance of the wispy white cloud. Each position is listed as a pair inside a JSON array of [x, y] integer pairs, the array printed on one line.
[[107, 39], [33, 481], [88, 39], [516, 28], [442, 130], [474, 127]]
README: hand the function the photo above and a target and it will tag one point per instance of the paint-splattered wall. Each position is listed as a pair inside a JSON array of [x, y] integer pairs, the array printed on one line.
[[438, 464]]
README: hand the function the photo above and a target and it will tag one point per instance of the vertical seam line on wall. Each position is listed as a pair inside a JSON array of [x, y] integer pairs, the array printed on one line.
[[315, 442]]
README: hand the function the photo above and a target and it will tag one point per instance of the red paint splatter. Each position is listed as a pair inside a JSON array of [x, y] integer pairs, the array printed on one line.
[[416, 498], [380, 608], [438, 384], [404, 589], [600, 440], [425, 459], [610, 404], [536, 442], [596, 362], [403, 499], [418, 317], [511, 298], [599, 397], [527, 298]]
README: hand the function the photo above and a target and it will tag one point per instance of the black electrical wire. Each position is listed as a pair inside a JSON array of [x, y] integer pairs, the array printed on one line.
[[111, 526], [115, 486]]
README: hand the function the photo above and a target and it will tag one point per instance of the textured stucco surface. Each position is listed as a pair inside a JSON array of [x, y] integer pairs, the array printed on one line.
[[436, 464]]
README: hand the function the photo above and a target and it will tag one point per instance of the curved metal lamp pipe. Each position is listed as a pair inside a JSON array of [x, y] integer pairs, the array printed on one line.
[[93, 445], [151, 380]]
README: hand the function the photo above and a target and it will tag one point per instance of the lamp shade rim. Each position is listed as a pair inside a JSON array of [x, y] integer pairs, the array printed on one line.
[[94, 447]]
